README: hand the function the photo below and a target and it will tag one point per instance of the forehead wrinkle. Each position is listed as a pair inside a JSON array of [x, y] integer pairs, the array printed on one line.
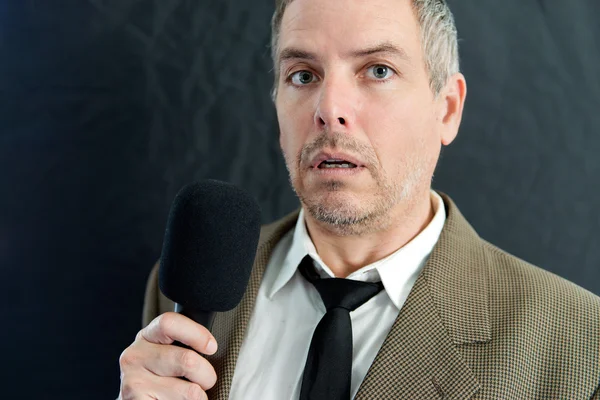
[[384, 42]]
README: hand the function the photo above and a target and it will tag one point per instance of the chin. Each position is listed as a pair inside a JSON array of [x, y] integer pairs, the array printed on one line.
[[346, 208], [344, 213], [333, 196]]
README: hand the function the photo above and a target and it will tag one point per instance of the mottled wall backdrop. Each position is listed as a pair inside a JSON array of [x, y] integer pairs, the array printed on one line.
[[107, 107]]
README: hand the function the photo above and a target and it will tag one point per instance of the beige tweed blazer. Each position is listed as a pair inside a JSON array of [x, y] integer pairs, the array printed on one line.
[[479, 323]]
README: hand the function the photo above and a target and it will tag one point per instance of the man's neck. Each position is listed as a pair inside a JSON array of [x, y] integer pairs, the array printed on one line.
[[347, 254]]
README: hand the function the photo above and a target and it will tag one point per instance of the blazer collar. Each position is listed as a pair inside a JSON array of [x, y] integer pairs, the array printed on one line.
[[447, 306], [457, 274]]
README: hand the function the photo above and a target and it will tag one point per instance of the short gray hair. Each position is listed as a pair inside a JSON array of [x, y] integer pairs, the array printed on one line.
[[438, 39]]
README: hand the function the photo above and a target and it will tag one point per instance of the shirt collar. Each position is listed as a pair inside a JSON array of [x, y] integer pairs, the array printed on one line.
[[397, 272]]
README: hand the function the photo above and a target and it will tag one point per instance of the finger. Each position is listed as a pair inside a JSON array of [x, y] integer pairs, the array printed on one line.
[[170, 327], [180, 389], [173, 361], [146, 386]]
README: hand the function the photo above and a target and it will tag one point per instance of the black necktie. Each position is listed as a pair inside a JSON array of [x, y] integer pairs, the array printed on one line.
[[328, 366]]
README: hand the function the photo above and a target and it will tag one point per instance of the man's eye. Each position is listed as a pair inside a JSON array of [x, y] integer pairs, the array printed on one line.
[[380, 72], [302, 78]]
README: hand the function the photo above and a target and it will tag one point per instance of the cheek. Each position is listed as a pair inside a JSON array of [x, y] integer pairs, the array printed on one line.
[[289, 141], [400, 130], [294, 128], [389, 107], [390, 122]]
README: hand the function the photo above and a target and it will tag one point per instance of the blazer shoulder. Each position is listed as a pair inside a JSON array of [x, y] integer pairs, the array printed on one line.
[[155, 303], [518, 275], [529, 297], [548, 323]]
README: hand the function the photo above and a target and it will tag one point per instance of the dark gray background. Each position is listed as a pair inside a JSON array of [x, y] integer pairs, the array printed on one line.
[[107, 107]]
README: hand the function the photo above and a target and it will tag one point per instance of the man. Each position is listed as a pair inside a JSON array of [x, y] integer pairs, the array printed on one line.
[[367, 92]]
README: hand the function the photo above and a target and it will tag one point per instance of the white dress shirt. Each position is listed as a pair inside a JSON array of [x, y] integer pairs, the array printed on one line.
[[288, 309]]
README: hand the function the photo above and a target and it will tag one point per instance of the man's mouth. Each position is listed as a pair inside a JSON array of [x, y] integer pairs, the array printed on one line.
[[336, 164], [331, 160]]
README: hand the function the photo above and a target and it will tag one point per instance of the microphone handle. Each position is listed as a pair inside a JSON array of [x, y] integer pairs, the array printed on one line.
[[204, 318]]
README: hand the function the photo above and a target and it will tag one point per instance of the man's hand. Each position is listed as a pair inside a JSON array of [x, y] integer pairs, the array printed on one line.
[[152, 365]]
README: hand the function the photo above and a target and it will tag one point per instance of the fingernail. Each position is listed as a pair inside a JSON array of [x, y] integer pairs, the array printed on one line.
[[211, 347]]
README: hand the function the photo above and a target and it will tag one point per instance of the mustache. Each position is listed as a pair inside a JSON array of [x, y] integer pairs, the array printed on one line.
[[341, 142]]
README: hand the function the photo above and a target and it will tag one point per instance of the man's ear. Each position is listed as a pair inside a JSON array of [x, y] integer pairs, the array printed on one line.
[[451, 101]]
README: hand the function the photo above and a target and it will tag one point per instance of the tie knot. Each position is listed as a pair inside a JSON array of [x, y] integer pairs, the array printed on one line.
[[338, 292]]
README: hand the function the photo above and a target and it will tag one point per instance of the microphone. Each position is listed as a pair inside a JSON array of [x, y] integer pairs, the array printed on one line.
[[209, 249]]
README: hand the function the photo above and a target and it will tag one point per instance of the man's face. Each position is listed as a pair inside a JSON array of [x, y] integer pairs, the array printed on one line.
[[354, 90]]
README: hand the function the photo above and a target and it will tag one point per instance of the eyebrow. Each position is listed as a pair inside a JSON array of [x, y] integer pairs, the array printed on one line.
[[385, 47], [292, 53]]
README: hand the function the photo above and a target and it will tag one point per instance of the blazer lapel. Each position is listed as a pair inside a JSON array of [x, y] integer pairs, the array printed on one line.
[[448, 306], [229, 327]]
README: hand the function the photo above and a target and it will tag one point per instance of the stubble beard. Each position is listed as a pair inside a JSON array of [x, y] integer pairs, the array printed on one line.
[[356, 216], [352, 215]]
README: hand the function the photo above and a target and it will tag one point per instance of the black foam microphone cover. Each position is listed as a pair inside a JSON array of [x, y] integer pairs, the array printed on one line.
[[209, 248]]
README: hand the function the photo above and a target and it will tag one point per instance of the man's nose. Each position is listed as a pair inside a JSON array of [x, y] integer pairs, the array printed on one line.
[[335, 108]]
